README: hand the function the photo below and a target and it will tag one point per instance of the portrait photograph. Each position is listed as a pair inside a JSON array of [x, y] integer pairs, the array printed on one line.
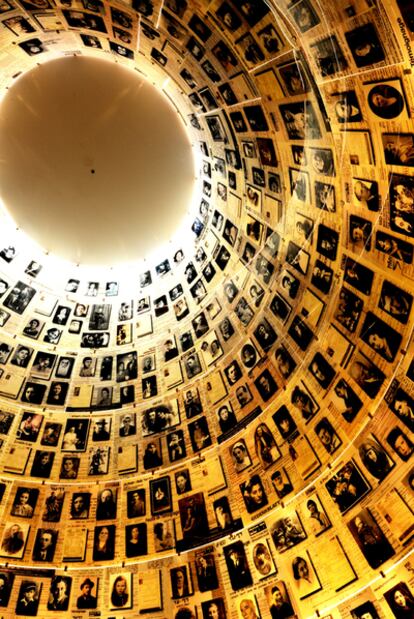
[[400, 443], [199, 434], [80, 505], [64, 367], [262, 559], [287, 531], [300, 120], [99, 317], [6, 421], [366, 194], [395, 302], [349, 309], [28, 598], [347, 108], [6, 586], [59, 593], [400, 599], [29, 426], [299, 185], [136, 503], [42, 464], [69, 467], [237, 566], [193, 519], [380, 337], [317, 520], [13, 541], [304, 15], [253, 494], [365, 45], [401, 204], [370, 539], [246, 605], [278, 600], [120, 591], [347, 487], [104, 543], [285, 422], [214, 607], [357, 275], [160, 495], [33, 328], [33, 393], [98, 460], [386, 99], [305, 579], [75, 434], [327, 435], [136, 543], [329, 56], [45, 545], [181, 584], [206, 572]]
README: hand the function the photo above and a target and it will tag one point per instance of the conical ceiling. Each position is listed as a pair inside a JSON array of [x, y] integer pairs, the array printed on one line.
[[221, 425]]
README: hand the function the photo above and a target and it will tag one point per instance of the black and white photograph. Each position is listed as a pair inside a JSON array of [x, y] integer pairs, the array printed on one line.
[[287, 531], [365, 45], [28, 598], [370, 539], [237, 566], [347, 486]]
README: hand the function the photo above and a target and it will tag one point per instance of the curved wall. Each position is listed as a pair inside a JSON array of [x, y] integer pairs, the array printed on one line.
[[236, 415]]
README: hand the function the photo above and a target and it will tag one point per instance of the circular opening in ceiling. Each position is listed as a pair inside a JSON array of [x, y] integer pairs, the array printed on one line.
[[96, 165]]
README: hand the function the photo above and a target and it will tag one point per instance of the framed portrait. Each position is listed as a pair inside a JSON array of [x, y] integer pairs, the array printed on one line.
[[278, 600], [193, 518], [160, 495], [316, 516], [287, 531], [13, 542], [42, 464], [370, 539], [305, 578], [136, 503], [216, 605], [80, 505], [347, 487], [29, 427], [45, 545], [329, 56], [59, 593], [104, 543], [247, 603], [136, 543], [365, 45], [399, 597], [120, 591], [181, 583], [387, 99], [7, 577], [299, 185], [237, 566], [32, 393], [75, 435], [400, 443], [253, 494], [18, 25], [216, 128], [53, 504], [99, 460], [28, 598]]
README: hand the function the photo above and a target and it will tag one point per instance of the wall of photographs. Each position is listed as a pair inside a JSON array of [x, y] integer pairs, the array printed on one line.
[[232, 435]]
